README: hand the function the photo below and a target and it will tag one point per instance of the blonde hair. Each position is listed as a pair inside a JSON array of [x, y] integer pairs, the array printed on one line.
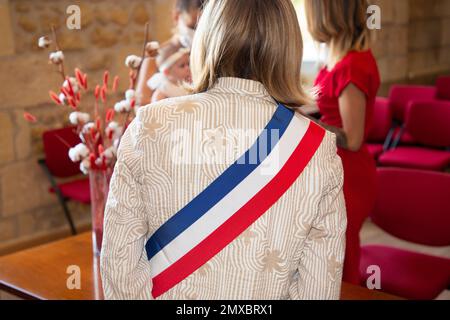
[[341, 24], [251, 39]]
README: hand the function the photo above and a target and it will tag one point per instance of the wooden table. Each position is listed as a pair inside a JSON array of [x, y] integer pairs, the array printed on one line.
[[41, 273]]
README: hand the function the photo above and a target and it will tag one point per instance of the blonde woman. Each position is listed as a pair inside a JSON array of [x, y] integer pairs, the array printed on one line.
[[229, 193], [347, 87]]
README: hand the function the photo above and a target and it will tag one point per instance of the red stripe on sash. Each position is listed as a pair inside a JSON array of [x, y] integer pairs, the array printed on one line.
[[244, 217]]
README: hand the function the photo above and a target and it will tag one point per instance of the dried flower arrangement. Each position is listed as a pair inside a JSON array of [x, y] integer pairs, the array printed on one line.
[[99, 131]]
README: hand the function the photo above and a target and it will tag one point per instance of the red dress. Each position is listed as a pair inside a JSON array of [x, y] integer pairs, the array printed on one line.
[[360, 69]]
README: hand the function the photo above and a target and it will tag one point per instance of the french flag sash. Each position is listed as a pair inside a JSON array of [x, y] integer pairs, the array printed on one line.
[[234, 201]]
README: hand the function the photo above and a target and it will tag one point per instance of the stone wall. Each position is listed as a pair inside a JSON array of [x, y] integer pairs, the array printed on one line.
[[413, 45], [110, 30]]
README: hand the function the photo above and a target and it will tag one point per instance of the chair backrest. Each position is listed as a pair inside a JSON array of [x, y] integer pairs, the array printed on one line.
[[443, 88], [382, 121], [428, 122], [414, 205], [57, 152], [401, 96]]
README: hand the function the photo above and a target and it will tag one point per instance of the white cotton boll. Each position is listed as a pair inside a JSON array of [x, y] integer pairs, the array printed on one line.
[[73, 118], [84, 117], [62, 97], [88, 126], [79, 152], [153, 45], [113, 130], [152, 49], [113, 125], [110, 153], [118, 107], [99, 161], [44, 42], [133, 61], [74, 84], [130, 94], [122, 106], [79, 118], [56, 57], [85, 165]]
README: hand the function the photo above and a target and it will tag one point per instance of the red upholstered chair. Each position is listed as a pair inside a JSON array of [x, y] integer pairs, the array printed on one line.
[[428, 124], [414, 206], [380, 134], [400, 98], [443, 88], [58, 165]]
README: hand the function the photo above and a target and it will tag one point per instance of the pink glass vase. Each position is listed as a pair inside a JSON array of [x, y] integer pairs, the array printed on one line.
[[99, 184]]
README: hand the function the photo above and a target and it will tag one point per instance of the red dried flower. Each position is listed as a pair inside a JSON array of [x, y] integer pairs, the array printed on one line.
[[54, 97], [115, 83], [101, 150], [109, 115], [105, 78], [85, 81], [79, 76], [92, 159], [103, 93], [69, 84], [65, 92], [29, 117], [92, 133], [72, 102], [98, 124], [97, 92]]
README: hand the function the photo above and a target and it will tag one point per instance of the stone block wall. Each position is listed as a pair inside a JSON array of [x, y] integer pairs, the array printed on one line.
[[413, 44], [110, 30]]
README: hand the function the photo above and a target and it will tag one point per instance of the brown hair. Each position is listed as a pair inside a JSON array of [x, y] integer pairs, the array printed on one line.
[[188, 5], [341, 24], [251, 39]]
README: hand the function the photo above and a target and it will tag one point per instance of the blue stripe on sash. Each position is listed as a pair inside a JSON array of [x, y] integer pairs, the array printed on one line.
[[220, 187]]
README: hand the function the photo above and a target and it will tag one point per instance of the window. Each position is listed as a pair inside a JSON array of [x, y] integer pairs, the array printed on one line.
[[312, 57], [310, 52]]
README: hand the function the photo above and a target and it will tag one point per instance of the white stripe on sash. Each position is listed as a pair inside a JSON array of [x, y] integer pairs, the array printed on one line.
[[233, 201]]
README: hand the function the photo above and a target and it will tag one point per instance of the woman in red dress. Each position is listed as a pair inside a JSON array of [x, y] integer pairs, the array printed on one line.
[[346, 88]]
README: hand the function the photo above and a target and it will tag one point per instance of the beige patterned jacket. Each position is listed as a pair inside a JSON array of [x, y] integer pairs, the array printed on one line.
[[294, 251]]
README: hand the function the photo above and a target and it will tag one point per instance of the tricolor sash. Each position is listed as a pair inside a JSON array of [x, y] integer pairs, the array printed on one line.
[[232, 202]]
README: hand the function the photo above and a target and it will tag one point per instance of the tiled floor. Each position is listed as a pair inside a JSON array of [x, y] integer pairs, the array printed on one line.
[[374, 235]]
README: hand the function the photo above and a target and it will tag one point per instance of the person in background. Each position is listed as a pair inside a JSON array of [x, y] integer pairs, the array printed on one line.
[[346, 90], [173, 66], [185, 16]]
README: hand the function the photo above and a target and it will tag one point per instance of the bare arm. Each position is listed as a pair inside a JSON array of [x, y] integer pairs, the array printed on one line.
[[352, 107], [144, 93], [158, 96]]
